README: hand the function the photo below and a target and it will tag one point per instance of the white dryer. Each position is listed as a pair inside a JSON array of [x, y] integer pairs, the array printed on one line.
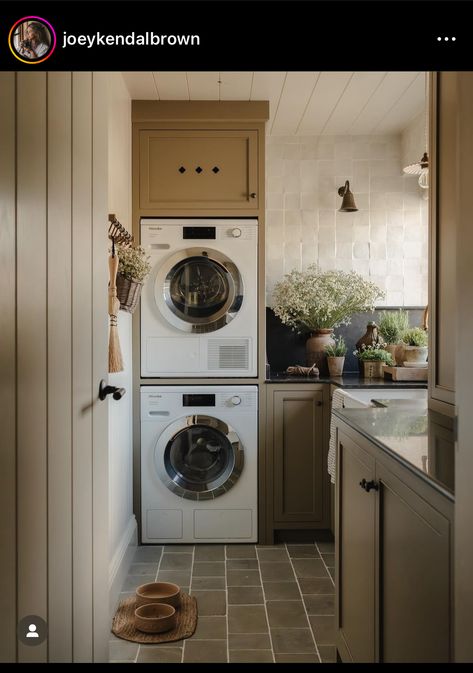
[[199, 303], [199, 464]]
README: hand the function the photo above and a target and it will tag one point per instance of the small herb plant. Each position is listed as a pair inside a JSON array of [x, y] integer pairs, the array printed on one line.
[[339, 350], [133, 263], [393, 324], [373, 354], [415, 337]]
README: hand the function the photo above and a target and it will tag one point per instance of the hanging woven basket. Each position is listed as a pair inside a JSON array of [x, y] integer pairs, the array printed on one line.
[[128, 292]]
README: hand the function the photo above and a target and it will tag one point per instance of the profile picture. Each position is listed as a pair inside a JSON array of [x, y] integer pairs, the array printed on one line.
[[32, 39]]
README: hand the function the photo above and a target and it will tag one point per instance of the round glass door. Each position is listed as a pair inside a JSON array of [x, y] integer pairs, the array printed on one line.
[[202, 459], [199, 290]]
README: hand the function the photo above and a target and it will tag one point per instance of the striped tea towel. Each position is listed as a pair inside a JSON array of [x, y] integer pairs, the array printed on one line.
[[341, 399]]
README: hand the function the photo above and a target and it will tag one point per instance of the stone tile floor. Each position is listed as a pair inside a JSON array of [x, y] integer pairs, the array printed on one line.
[[256, 603]]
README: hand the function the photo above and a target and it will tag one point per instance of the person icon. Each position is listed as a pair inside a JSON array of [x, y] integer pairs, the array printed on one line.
[[32, 631]]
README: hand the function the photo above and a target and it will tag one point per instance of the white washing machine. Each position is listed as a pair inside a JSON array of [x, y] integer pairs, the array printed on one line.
[[199, 303], [199, 463]]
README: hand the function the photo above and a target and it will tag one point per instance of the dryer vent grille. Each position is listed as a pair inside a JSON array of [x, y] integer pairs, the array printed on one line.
[[228, 354]]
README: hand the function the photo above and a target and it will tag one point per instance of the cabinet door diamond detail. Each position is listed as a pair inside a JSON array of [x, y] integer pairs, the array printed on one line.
[[198, 169]]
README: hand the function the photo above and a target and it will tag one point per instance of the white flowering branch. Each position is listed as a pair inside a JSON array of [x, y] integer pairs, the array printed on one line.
[[312, 299]]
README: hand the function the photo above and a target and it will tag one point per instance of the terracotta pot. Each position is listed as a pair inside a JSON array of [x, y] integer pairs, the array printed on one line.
[[392, 349], [415, 353], [335, 365], [400, 354], [315, 349]]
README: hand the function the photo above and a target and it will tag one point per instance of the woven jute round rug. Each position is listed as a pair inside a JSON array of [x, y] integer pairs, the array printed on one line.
[[123, 625]]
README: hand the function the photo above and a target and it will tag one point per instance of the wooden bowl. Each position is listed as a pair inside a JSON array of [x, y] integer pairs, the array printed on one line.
[[155, 618], [158, 592]]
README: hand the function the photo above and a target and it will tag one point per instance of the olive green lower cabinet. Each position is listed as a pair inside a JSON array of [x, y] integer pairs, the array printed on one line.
[[297, 482], [393, 559]]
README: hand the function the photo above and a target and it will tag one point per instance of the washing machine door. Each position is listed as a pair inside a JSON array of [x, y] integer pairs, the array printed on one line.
[[199, 457], [199, 290]]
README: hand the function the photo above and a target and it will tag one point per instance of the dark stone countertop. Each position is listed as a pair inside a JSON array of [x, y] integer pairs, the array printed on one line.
[[419, 439], [347, 381]]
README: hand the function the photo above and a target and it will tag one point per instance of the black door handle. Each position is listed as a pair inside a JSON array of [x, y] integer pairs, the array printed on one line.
[[105, 390], [369, 485]]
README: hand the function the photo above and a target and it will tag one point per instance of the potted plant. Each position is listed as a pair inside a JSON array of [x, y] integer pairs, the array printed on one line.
[[133, 267], [373, 358], [392, 325], [336, 356], [315, 302], [415, 345]]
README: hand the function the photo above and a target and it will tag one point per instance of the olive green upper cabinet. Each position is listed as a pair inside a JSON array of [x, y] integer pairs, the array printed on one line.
[[198, 169]]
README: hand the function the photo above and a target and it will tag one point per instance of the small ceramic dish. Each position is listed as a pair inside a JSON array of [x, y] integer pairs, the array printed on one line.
[[155, 618], [159, 592]]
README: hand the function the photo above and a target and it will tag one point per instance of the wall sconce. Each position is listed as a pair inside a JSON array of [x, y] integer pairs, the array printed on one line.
[[348, 202]]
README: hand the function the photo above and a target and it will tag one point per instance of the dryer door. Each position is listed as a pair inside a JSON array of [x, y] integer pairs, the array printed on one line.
[[199, 457], [199, 290]]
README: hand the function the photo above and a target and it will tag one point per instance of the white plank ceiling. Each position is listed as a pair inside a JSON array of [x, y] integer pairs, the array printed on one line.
[[301, 103]]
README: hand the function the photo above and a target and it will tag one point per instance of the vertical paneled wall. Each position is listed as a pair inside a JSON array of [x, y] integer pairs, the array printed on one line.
[[32, 363], [59, 361], [122, 521], [82, 354], [53, 490], [8, 370], [100, 458]]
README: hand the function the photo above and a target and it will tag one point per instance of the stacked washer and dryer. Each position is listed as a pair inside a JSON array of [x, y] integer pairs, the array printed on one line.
[[199, 320]]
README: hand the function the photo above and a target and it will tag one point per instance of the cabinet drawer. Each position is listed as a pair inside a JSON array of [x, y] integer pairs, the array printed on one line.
[[198, 169]]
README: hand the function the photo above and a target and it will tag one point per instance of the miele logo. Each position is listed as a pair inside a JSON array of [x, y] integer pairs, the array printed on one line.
[[155, 228], [155, 396]]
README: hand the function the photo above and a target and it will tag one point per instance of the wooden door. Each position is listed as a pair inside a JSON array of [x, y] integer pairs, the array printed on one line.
[[53, 187], [414, 575], [297, 436], [197, 169], [355, 553]]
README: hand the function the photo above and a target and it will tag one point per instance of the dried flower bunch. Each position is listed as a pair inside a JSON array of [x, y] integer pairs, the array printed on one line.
[[313, 299], [339, 350], [374, 353], [133, 263]]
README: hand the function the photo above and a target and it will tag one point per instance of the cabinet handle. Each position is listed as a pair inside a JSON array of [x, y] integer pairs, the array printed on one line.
[[369, 485], [253, 195]]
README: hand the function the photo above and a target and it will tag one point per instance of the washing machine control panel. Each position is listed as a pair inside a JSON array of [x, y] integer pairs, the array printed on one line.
[[164, 404]]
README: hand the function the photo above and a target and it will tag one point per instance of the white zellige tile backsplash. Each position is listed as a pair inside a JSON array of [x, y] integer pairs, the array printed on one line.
[[386, 240]]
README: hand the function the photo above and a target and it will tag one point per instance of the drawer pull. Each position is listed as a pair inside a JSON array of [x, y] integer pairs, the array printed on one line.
[[369, 485]]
